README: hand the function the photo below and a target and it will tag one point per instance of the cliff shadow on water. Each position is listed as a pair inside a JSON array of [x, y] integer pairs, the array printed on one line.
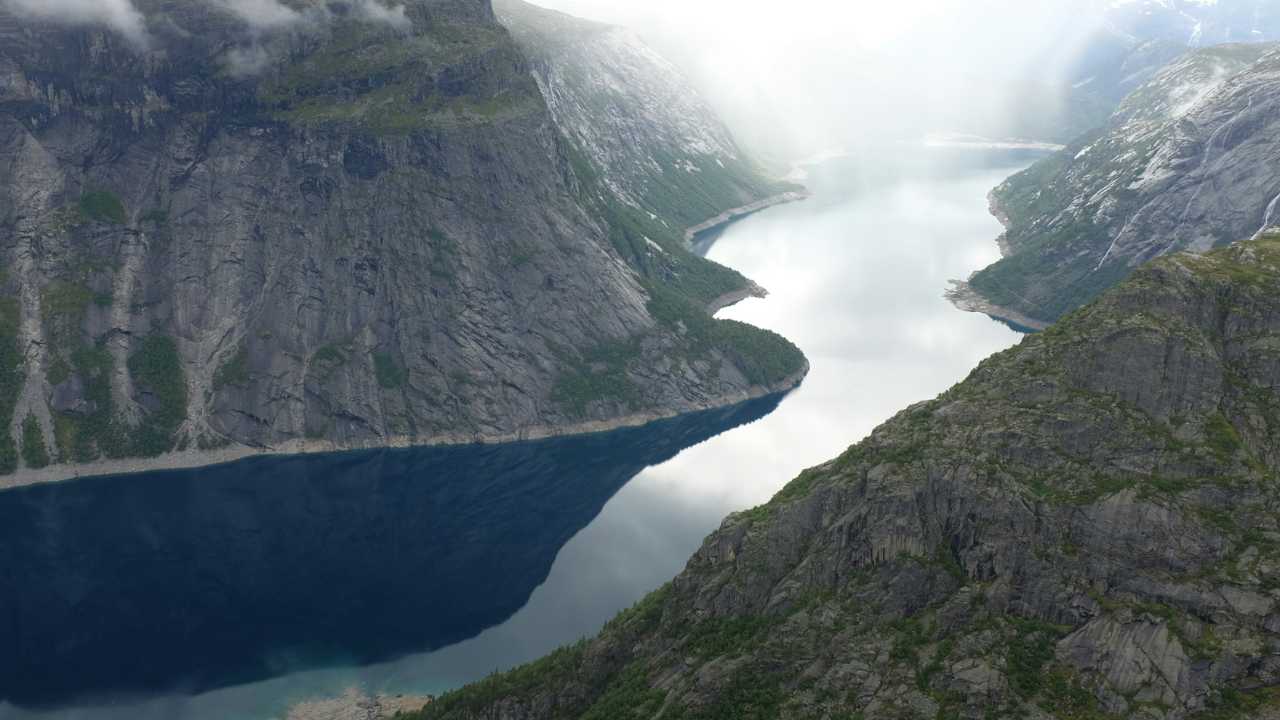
[[201, 579]]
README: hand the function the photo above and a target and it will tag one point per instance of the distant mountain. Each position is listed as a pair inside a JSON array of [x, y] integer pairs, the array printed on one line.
[[1131, 41], [657, 145], [1084, 529], [1187, 162]]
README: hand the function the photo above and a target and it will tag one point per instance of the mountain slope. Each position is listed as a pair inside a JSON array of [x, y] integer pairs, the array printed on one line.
[[1086, 527], [1187, 162], [1121, 46], [658, 146], [345, 231]]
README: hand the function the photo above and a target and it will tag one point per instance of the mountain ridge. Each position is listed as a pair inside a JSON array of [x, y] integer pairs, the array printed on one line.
[[1183, 165]]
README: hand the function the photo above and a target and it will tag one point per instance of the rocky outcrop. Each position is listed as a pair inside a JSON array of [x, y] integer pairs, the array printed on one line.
[[1084, 528], [340, 231], [355, 705], [1186, 163]]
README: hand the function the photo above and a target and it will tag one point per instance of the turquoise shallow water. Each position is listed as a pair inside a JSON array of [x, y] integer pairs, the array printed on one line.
[[234, 592]]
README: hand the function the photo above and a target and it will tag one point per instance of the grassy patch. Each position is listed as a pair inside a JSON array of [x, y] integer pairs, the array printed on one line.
[[1221, 436], [102, 206], [157, 369], [65, 300], [1027, 654], [763, 357], [390, 375], [600, 375], [11, 379], [84, 438], [34, 452], [234, 372]]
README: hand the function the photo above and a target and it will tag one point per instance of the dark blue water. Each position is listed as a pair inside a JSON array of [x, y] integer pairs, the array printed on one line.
[[195, 580]]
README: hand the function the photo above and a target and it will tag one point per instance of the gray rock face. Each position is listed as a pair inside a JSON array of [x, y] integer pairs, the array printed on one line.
[[377, 234], [1084, 528], [1186, 163], [659, 147]]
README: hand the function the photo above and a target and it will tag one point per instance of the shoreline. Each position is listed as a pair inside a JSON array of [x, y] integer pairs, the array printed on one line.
[[997, 211], [356, 705], [729, 299], [197, 459], [734, 214], [966, 299]]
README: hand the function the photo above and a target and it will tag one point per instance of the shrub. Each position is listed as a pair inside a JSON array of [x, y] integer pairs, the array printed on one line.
[[102, 206], [34, 452]]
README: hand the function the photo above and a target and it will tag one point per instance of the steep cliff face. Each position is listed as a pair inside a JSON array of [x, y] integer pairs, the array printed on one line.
[[659, 147], [1186, 163], [339, 229], [1085, 528]]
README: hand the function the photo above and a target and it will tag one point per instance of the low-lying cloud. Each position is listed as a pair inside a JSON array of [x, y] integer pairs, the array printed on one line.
[[120, 15], [268, 18], [268, 15], [262, 16]]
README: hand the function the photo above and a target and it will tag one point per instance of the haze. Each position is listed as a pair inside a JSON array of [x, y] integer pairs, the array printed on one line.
[[815, 75]]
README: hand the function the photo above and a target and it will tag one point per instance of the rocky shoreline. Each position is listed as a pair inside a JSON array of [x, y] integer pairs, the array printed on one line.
[[752, 290], [355, 705], [738, 213], [965, 298], [194, 459]]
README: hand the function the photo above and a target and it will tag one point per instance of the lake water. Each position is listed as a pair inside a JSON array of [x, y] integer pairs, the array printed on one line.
[[234, 592]]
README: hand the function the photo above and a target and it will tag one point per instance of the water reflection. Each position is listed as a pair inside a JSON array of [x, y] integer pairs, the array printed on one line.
[[200, 579]]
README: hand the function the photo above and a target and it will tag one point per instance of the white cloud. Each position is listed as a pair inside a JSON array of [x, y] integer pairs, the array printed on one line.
[[118, 14], [821, 74], [261, 14], [272, 15], [374, 11]]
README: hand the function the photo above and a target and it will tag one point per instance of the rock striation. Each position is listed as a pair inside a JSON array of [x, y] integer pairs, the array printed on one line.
[[1085, 528], [343, 229], [1186, 163]]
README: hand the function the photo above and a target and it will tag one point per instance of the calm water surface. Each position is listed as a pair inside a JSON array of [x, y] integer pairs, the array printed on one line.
[[237, 591]]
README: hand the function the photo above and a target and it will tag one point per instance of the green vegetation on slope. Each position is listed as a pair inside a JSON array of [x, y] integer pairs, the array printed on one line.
[[963, 559], [11, 379], [102, 206], [681, 286], [34, 452], [384, 81], [157, 370]]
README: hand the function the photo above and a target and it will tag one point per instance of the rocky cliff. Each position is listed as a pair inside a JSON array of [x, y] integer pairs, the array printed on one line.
[[1085, 528], [658, 145], [1187, 162], [336, 225]]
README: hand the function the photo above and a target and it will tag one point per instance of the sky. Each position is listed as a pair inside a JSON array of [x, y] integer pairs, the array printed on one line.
[[804, 76]]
